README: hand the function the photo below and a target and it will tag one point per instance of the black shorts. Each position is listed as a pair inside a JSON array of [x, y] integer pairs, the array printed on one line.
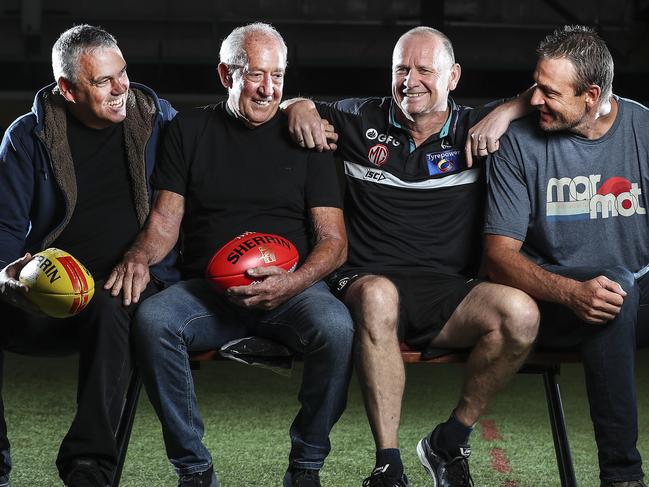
[[426, 299]]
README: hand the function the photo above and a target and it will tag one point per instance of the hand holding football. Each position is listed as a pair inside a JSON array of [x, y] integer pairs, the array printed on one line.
[[228, 266], [58, 284]]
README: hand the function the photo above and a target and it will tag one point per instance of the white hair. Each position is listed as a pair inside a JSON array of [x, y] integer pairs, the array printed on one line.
[[233, 47]]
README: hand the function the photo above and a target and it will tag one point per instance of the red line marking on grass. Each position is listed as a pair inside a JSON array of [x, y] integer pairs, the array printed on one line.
[[489, 430], [499, 460]]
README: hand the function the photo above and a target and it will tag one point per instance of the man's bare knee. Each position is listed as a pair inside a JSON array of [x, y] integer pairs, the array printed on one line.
[[520, 319], [374, 301]]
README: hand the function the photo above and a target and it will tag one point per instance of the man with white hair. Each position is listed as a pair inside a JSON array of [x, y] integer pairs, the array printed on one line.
[[226, 169], [74, 175]]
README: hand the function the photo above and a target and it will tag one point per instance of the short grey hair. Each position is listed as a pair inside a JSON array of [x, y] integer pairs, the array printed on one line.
[[233, 47], [423, 29], [75, 41], [587, 52]]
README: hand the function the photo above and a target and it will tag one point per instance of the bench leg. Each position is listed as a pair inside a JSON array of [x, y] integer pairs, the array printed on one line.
[[126, 424], [558, 425]]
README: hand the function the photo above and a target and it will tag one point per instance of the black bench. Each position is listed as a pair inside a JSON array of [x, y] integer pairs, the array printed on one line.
[[547, 364]]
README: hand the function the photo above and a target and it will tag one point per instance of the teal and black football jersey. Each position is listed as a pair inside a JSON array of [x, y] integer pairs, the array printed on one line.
[[409, 207]]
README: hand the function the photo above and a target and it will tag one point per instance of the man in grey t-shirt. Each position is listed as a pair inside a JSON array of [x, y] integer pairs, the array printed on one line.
[[567, 223]]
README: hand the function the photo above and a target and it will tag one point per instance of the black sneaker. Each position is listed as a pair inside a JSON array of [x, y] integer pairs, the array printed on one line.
[[379, 478], [302, 477], [4, 481], [447, 469], [203, 479], [85, 473]]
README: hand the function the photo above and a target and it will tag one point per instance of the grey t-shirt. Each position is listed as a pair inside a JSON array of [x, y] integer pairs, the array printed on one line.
[[570, 200]]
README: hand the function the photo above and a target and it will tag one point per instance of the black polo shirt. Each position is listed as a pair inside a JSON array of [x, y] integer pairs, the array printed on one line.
[[409, 207], [239, 179]]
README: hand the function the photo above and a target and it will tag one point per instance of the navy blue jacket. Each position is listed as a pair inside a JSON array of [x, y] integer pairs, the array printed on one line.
[[37, 181]]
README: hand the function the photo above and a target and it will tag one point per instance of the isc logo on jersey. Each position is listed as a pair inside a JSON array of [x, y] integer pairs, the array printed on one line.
[[580, 198]]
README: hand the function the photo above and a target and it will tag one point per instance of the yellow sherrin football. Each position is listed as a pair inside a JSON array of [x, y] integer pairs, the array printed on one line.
[[58, 283]]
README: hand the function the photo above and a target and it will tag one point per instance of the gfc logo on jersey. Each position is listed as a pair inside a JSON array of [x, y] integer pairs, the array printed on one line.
[[372, 134], [580, 198], [445, 162]]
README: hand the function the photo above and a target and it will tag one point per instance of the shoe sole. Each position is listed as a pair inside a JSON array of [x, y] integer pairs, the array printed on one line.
[[421, 453]]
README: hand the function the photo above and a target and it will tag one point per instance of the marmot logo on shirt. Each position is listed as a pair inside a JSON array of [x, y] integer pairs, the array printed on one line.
[[579, 198]]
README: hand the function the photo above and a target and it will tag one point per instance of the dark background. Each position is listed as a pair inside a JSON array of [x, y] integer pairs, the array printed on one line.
[[336, 48]]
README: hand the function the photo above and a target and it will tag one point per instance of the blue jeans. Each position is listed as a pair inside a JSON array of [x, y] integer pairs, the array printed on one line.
[[608, 355], [190, 316]]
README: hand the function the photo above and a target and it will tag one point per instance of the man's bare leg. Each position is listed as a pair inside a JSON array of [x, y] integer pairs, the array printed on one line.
[[501, 323], [374, 302]]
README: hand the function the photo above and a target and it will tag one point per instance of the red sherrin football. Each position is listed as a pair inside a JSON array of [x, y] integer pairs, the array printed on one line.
[[229, 264]]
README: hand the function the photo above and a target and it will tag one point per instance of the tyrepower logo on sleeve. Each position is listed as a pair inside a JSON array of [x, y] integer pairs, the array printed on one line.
[[445, 162], [584, 198]]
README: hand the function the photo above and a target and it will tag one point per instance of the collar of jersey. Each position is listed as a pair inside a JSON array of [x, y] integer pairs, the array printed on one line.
[[442, 133]]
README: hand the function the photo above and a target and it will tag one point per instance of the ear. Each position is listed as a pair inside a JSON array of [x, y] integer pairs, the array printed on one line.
[[592, 95], [456, 72], [66, 88], [225, 76]]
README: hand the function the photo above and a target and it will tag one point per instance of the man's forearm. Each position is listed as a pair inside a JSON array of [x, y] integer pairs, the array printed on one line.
[[510, 267], [519, 106], [330, 249], [328, 254], [288, 103], [155, 241]]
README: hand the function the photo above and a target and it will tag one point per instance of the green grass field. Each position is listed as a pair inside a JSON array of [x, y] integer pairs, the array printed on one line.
[[247, 413]]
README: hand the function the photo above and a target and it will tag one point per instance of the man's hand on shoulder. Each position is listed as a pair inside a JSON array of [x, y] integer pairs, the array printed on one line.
[[596, 301], [276, 287], [14, 292], [484, 137], [130, 276], [306, 126]]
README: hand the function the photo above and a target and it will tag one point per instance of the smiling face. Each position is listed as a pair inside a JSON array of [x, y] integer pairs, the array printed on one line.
[[98, 97], [555, 99], [255, 90], [422, 75]]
